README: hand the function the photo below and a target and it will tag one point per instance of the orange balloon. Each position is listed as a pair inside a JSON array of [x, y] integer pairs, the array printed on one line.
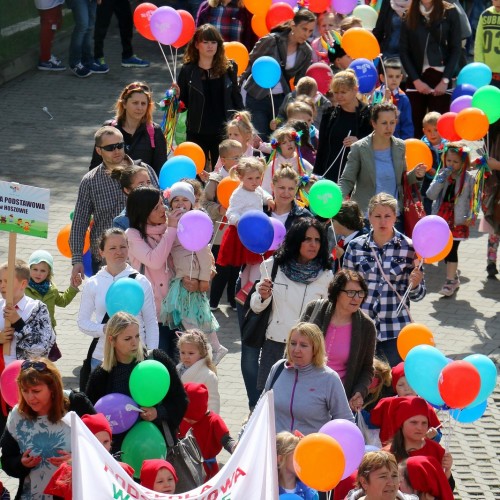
[[238, 53], [413, 335], [259, 25], [359, 42], [417, 152], [258, 7], [441, 255], [471, 124], [225, 190], [193, 151], [291, 82], [188, 29], [142, 15], [319, 461], [62, 241]]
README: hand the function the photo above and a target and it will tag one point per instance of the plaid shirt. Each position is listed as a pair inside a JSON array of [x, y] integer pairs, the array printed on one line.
[[227, 21], [396, 258]]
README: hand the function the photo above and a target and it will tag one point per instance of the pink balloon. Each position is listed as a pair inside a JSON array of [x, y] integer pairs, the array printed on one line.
[[462, 102], [194, 230], [8, 382], [291, 3], [166, 25], [430, 236], [279, 233], [344, 6]]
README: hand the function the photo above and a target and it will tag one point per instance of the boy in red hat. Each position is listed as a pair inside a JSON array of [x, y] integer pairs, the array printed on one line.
[[158, 475]]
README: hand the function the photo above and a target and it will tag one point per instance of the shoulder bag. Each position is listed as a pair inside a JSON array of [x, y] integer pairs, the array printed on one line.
[[413, 209]]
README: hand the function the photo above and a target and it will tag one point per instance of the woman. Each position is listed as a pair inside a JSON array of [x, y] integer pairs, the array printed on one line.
[[208, 87], [123, 351], [388, 28], [387, 260], [287, 45], [341, 126], [303, 273], [143, 137], [377, 163], [430, 46], [92, 315], [349, 333], [307, 393]]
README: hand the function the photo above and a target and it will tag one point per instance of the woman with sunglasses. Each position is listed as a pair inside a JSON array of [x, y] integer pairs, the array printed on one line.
[[143, 137], [349, 333]]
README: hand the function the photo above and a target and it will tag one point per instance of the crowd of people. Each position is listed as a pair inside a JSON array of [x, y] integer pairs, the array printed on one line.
[[336, 291]]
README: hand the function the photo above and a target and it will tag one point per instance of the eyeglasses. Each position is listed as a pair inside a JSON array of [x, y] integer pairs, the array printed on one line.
[[39, 366], [352, 293], [112, 147]]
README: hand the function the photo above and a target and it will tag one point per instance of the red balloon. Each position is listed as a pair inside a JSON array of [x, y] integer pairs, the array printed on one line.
[[446, 126], [142, 15], [188, 29], [459, 384], [278, 13], [8, 382], [322, 73], [318, 6]]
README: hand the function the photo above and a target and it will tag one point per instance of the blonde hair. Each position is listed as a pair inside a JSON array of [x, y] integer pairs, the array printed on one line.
[[198, 339], [306, 86], [297, 107], [350, 22], [245, 165], [283, 134], [373, 461], [286, 442], [313, 333], [242, 120], [382, 370], [344, 80], [21, 269], [226, 145], [382, 200], [286, 171], [431, 118]]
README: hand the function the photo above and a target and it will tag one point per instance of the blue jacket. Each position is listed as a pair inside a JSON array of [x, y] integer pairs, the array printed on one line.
[[302, 491]]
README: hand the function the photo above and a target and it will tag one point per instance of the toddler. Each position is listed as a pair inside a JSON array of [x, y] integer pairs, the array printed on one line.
[[326, 22], [158, 475]]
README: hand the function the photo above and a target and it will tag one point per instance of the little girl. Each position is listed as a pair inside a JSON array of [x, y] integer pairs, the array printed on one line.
[[182, 308], [286, 443], [158, 475], [197, 366], [326, 22], [453, 193]]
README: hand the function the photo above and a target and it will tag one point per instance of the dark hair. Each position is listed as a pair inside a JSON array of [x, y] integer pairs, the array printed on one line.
[[301, 16], [140, 203], [413, 14], [339, 282], [350, 216], [290, 248], [301, 126], [393, 63], [398, 448], [113, 231], [382, 108], [125, 174]]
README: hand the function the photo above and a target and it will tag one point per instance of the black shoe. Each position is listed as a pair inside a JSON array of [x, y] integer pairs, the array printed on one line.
[[492, 270]]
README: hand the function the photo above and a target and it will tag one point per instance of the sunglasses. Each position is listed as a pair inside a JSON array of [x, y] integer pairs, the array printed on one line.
[[112, 147], [39, 366], [137, 86], [352, 293]]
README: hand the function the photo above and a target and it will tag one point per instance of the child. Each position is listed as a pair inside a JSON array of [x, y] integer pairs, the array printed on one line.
[[306, 148], [51, 17], [303, 109], [326, 22], [208, 428], [30, 334], [453, 193], [288, 482], [40, 287], [158, 475], [181, 308], [197, 366], [197, 190]]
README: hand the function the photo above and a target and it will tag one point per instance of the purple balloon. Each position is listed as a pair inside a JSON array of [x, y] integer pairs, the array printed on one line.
[[351, 441], [291, 3], [430, 236], [194, 230], [166, 25], [279, 233], [462, 102], [344, 6], [114, 407]]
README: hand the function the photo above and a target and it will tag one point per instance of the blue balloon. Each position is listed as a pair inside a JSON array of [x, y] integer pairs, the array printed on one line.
[[256, 231], [476, 74], [87, 264], [366, 74], [175, 169], [464, 89], [266, 72], [487, 372], [125, 295], [290, 496], [468, 414]]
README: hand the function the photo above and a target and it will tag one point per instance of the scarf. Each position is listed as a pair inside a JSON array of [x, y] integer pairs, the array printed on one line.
[[155, 233], [302, 273], [400, 6], [425, 13], [42, 288]]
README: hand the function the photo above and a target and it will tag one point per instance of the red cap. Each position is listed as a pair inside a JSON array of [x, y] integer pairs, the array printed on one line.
[[198, 401], [150, 469], [409, 407], [426, 475], [97, 423], [128, 469], [397, 372]]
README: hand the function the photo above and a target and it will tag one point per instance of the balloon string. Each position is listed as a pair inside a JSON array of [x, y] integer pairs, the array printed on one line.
[[341, 152], [383, 69], [166, 60], [215, 235], [272, 103], [174, 62], [407, 293]]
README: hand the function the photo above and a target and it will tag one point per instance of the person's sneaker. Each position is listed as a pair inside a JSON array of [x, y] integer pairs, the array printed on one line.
[[233, 306], [135, 62], [53, 64], [81, 71], [449, 287], [219, 354], [99, 66], [214, 308], [492, 270]]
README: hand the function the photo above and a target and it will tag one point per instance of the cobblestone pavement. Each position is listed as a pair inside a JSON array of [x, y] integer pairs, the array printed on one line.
[[55, 154]]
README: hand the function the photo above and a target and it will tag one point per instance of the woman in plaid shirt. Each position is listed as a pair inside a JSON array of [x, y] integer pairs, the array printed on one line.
[[387, 260]]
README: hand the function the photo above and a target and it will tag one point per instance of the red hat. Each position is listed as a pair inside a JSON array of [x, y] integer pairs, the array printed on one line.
[[128, 469], [97, 423], [409, 407], [198, 401], [426, 475], [150, 469], [397, 372]]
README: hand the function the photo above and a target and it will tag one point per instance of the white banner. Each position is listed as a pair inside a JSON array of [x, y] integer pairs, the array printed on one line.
[[251, 471]]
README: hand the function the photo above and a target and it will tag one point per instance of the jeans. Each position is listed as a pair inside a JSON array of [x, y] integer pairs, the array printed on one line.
[[80, 47], [123, 12], [388, 350], [168, 342], [262, 112]]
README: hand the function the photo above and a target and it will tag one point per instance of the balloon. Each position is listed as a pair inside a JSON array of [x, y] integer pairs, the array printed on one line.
[[188, 29], [417, 152], [370, 447], [487, 99], [368, 16], [366, 74], [259, 7], [430, 235], [319, 461], [469, 414], [238, 53], [350, 439], [256, 231], [8, 382], [291, 3], [446, 126], [318, 6], [193, 151], [176, 168], [142, 16], [344, 6], [62, 241], [471, 124], [71, 215], [322, 74], [149, 382], [325, 198], [259, 25], [487, 372], [476, 74], [194, 230], [225, 190], [459, 384], [166, 25], [114, 407], [87, 264], [279, 233], [266, 72], [462, 102], [144, 441], [423, 366], [278, 13], [289, 496], [444, 253], [360, 43], [124, 295], [412, 335], [461, 90], [180, 128]]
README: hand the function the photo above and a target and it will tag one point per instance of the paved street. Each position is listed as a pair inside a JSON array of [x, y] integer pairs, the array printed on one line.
[[55, 154]]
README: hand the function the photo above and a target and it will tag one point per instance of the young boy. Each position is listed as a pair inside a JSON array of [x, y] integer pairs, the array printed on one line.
[[485, 50]]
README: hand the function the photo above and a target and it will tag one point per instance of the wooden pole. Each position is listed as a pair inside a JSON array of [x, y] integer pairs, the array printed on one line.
[[10, 282]]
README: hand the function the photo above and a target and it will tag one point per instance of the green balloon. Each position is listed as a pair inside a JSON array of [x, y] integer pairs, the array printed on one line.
[[143, 442], [180, 128], [71, 215], [487, 99], [149, 382], [325, 198]]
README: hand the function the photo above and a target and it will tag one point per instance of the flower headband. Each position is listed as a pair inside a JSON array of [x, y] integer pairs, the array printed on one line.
[[463, 151]]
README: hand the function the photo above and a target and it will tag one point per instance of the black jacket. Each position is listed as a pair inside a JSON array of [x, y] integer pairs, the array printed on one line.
[[383, 28]]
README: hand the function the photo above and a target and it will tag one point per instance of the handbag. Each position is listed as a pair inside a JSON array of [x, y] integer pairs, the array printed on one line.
[[371, 436], [413, 209]]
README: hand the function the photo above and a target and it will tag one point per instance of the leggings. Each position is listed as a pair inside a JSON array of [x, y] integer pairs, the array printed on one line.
[[453, 255], [50, 22], [493, 241]]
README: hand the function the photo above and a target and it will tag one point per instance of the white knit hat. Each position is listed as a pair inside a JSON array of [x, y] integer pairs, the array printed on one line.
[[181, 189]]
